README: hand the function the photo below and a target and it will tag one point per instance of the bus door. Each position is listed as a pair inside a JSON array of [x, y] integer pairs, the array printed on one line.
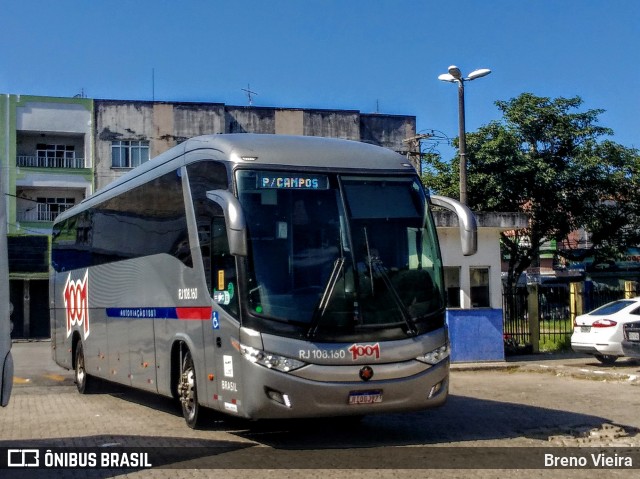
[[221, 357]]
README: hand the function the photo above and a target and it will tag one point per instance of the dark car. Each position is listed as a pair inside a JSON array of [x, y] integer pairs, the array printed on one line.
[[631, 339]]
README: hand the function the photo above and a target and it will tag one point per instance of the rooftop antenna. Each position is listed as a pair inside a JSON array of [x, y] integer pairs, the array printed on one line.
[[153, 84], [249, 93]]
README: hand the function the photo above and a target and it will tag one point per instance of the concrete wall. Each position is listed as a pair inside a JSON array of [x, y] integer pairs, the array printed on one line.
[[118, 121], [387, 130], [246, 119], [197, 119], [289, 122], [332, 123], [40, 115]]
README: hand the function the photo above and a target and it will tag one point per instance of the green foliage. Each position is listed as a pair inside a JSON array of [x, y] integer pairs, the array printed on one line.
[[439, 176], [547, 159], [555, 343]]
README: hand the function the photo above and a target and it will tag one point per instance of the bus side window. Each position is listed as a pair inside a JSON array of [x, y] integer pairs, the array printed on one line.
[[204, 238], [223, 268]]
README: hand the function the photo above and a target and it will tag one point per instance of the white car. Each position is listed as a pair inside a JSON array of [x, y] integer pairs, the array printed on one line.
[[600, 332]]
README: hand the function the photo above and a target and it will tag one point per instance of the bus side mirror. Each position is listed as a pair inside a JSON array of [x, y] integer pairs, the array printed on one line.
[[234, 218], [466, 219]]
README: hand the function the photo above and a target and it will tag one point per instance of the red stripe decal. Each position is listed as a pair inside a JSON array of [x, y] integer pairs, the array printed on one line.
[[198, 313]]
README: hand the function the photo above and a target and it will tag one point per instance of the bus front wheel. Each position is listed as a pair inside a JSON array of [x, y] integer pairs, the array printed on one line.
[[82, 379], [188, 392]]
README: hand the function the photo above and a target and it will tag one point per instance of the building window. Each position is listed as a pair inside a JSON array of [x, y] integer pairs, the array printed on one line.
[[50, 208], [55, 151], [479, 279], [452, 284], [129, 154], [56, 156]]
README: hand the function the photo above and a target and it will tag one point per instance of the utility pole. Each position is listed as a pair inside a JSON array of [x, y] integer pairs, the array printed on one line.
[[414, 153]]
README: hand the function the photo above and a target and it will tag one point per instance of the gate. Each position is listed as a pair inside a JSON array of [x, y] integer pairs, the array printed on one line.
[[555, 321], [517, 337]]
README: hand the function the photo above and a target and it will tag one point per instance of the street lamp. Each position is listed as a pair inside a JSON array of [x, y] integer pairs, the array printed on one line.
[[455, 76]]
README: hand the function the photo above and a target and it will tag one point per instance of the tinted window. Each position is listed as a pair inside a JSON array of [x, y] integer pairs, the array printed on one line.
[[219, 264], [206, 176], [145, 221], [611, 308]]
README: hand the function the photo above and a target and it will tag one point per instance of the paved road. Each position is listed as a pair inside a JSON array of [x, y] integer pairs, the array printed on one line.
[[536, 402]]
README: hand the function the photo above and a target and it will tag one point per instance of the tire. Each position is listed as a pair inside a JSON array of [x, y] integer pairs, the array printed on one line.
[[188, 392], [606, 358], [83, 381]]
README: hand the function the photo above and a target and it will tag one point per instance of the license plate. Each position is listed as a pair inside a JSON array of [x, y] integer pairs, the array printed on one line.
[[365, 397], [585, 329], [634, 336]]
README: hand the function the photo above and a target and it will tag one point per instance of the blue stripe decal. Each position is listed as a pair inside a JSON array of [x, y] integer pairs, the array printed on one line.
[[142, 313]]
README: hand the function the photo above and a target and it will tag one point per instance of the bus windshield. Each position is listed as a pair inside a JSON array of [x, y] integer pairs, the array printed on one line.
[[341, 255]]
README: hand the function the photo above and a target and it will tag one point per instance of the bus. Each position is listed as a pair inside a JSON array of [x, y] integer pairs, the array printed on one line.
[[262, 276], [6, 360]]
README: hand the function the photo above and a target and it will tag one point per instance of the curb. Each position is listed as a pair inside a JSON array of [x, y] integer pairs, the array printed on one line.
[[561, 370]]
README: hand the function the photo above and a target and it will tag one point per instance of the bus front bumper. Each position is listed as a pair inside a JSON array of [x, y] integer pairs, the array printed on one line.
[[271, 394]]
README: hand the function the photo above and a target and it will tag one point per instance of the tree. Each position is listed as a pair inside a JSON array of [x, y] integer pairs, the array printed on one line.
[[547, 159]]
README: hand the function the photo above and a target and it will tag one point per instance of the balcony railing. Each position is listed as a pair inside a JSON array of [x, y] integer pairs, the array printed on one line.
[[43, 162], [42, 213]]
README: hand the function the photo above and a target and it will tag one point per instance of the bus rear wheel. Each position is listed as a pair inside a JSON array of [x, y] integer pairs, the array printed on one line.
[[188, 392]]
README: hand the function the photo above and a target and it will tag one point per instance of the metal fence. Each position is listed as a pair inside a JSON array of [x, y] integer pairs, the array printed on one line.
[[555, 321], [554, 325], [516, 321]]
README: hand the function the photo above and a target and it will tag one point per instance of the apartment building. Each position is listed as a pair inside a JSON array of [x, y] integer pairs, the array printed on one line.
[[46, 160]]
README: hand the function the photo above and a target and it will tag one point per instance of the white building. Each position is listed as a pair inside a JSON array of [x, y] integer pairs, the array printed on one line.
[[474, 286]]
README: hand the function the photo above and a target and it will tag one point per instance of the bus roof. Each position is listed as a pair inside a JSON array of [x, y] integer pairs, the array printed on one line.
[[258, 150], [309, 151]]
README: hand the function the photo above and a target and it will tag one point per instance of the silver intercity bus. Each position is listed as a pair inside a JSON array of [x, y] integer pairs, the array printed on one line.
[[6, 360], [263, 276]]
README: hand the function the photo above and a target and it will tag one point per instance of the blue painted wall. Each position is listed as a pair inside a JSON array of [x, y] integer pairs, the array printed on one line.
[[475, 334]]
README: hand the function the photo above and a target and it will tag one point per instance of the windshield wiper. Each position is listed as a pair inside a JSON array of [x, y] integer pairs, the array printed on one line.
[[378, 267], [375, 264], [318, 313]]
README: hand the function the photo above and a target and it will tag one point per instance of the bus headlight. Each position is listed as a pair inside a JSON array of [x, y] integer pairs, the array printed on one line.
[[435, 356], [270, 361]]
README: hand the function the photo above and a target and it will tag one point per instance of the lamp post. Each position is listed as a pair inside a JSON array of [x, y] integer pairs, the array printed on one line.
[[455, 76]]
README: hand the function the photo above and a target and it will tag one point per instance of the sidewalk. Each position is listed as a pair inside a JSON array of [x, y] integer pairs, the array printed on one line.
[[568, 364]]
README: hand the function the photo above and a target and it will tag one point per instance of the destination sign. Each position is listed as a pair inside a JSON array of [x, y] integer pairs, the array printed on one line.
[[292, 181]]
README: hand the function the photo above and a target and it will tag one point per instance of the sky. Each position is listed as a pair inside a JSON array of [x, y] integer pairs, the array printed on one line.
[[369, 55]]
